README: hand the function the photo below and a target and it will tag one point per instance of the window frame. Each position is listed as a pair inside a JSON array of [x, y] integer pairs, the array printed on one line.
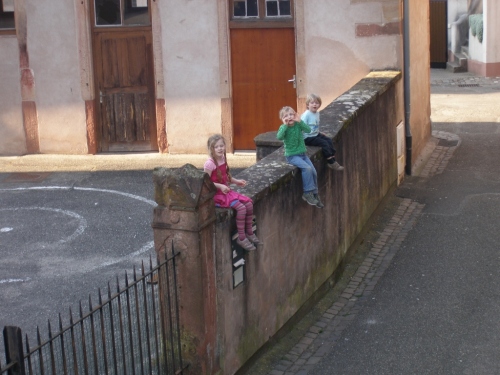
[[261, 21], [7, 31], [122, 25]]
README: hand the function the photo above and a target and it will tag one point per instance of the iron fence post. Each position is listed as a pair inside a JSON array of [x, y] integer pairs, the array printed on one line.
[[13, 341]]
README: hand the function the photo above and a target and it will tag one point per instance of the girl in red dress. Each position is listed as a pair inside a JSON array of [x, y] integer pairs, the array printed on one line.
[[216, 166]]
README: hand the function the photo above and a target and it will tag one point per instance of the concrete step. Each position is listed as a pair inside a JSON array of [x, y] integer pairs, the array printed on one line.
[[459, 62], [465, 51], [456, 67]]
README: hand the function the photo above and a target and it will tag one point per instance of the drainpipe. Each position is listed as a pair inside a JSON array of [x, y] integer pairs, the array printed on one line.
[[406, 78]]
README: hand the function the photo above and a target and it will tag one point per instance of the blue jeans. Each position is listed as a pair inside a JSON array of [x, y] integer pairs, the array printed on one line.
[[309, 175]]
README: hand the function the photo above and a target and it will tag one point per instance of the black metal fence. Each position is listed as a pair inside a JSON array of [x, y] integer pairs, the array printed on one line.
[[135, 330]]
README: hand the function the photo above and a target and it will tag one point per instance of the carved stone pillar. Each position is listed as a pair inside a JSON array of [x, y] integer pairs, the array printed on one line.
[[185, 217]]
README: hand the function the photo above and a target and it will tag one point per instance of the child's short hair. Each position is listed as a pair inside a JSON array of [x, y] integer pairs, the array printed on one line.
[[284, 110], [313, 98]]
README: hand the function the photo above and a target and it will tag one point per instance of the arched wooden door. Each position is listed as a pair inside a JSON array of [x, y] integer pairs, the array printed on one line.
[[124, 75], [262, 38]]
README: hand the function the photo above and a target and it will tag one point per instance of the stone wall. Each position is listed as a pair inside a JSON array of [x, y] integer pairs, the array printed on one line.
[[223, 326]]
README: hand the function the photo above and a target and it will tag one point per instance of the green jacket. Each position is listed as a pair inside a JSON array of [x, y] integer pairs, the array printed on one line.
[[292, 138]]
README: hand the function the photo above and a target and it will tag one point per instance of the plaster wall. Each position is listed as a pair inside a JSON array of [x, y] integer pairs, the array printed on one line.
[[420, 105], [191, 73], [485, 57], [477, 50], [335, 57], [492, 30], [54, 60], [12, 137], [455, 9]]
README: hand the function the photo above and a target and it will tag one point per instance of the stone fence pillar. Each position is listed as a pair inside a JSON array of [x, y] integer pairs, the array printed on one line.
[[185, 216]]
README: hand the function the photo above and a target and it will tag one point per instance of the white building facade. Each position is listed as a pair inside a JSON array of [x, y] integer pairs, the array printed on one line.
[[91, 76]]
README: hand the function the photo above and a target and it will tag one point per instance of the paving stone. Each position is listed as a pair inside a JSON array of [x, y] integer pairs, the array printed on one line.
[[281, 367], [313, 360], [291, 357]]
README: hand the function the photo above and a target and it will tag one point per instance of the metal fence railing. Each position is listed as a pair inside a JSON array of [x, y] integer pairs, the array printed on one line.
[[133, 329]]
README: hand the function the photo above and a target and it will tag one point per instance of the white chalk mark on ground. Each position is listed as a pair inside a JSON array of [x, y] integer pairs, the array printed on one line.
[[6, 229], [8, 281], [141, 251], [76, 233], [137, 197], [148, 246]]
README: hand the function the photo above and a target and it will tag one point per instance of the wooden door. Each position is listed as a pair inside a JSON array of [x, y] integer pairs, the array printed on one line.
[[262, 38], [124, 78], [263, 62], [439, 33]]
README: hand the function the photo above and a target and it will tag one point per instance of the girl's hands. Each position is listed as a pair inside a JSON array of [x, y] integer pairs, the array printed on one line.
[[296, 117], [238, 182], [225, 189]]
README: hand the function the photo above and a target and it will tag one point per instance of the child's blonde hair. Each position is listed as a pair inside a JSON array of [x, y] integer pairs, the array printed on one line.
[[313, 98], [211, 152], [285, 110]]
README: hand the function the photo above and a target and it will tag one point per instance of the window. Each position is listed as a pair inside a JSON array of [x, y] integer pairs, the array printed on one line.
[[260, 13], [121, 13], [261, 9], [278, 8], [245, 8], [7, 15]]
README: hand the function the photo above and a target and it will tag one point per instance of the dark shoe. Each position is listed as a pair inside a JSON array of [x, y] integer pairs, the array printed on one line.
[[253, 238], [319, 204], [309, 198], [336, 166], [246, 244]]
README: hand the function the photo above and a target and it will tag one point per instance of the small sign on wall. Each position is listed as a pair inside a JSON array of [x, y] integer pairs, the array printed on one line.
[[238, 258], [400, 129], [238, 261]]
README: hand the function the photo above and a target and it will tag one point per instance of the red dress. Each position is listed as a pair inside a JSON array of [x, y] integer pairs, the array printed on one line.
[[225, 200]]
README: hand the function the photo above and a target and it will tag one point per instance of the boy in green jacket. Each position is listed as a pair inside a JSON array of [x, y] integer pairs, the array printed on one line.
[[295, 153]]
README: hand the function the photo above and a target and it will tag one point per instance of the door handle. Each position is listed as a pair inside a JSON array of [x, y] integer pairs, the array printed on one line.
[[100, 96], [294, 81]]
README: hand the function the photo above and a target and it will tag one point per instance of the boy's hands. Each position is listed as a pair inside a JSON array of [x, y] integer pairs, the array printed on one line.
[[290, 118]]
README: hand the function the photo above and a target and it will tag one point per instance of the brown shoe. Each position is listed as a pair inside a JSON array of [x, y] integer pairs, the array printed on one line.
[[253, 238], [336, 166], [246, 244]]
